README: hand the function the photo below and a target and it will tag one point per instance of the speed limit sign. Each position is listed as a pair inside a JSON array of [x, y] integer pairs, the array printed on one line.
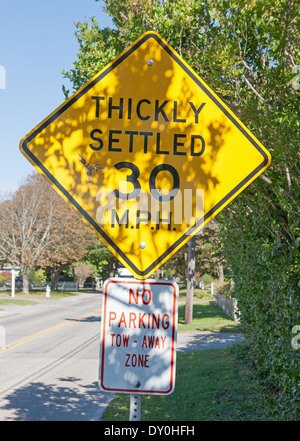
[[147, 154]]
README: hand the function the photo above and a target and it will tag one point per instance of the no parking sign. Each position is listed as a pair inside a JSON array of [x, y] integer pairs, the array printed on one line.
[[138, 339]]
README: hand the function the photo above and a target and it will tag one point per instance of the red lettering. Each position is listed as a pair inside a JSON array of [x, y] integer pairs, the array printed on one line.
[[156, 320], [132, 319], [135, 296], [119, 340], [112, 316], [122, 320], [149, 296], [137, 361], [141, 320], [127, 361], [166, 324], [133, 360]]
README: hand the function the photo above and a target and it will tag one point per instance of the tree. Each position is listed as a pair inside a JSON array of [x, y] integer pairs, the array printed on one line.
[[27, 219], [39, 230], [102, 260], [247, 51], [82, 270], [71, 241]]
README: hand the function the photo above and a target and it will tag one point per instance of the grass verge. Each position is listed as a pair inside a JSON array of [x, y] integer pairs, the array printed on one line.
[[37, 295], [210, 386], [32, 298], [199, 294], [4, 302], [207, 316]]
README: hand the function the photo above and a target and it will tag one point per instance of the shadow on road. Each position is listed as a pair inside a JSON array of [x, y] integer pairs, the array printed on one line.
[[90, 319], [45, 402]]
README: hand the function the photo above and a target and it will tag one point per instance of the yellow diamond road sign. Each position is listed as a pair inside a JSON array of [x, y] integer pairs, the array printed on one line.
[[147, 154]]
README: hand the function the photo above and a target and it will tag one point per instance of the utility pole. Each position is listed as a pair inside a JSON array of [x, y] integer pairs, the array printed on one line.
[[190, 281]]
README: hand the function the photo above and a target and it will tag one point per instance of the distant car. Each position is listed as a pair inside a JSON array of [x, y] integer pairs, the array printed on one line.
[[124, 272]]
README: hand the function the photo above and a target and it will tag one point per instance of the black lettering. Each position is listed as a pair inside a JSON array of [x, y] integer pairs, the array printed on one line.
[[133, 178], [175, 119], [193, 153], [115, 217], [111, 108], [129, 108], [94, 138], [139, 219], [111, 140], [167, 221], [138, 110], [152, 182], [178, 144], [196, 111], [158, 151], [98, 99], [131, 133], [146, 134], [159, 109]]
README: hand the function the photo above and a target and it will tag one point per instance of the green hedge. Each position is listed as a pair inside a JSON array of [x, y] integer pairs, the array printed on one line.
[[267, 289]]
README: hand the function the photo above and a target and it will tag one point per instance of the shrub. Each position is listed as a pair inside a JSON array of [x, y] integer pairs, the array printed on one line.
[[266, 287]]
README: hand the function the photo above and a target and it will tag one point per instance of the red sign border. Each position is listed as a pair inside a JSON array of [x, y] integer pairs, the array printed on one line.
[[173, 349]]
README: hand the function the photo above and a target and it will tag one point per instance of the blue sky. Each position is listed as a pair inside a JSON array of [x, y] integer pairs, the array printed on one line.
[[37, 42]]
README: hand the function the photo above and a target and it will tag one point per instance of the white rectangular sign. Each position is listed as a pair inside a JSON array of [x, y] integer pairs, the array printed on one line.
[[138, 336]]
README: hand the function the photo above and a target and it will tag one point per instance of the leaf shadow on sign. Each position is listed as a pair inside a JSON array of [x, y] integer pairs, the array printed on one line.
[[106, 124]]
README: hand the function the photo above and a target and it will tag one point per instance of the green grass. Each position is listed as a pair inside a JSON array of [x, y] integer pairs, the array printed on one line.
[[199, 294], [15, 301], [210, 386], [207, 316], [32, 298], [37, 295]]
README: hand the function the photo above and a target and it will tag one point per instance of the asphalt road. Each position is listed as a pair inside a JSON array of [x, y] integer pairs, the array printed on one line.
[[49, 367]]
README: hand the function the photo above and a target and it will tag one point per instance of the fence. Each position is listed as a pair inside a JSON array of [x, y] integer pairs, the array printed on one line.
[[228, 305], [40, 286], [62, 286]]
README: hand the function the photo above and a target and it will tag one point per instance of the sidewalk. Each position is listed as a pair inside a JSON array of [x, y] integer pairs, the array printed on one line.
[[199, 340]]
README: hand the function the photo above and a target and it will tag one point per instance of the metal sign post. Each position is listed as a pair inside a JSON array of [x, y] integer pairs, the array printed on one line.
[[135, 407]]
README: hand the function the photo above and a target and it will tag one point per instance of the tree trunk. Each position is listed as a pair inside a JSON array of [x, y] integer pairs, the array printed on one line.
[[220, 272], [190, 282], [54, 276], [25, 278]]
